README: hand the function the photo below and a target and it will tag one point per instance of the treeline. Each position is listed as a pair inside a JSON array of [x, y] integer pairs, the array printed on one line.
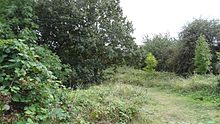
[[178, 54], [87, 35]]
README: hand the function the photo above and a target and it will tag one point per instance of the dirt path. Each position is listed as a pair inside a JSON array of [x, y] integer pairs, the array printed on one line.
[[166, 108]]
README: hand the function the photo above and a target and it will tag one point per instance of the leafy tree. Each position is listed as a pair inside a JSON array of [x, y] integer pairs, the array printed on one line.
[[189, 35], [90, 35], [151, 62], [164, 48], [137, 58], [202, 56]]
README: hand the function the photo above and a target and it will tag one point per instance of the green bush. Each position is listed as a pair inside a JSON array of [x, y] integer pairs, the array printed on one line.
[[151, 62], [202, 56], [63, 72], [29, 92]]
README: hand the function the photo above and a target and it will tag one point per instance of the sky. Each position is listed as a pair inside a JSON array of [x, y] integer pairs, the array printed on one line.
[[151, 17]]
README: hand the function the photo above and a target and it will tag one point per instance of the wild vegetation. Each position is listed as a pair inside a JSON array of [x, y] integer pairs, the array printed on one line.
[[76, 61]]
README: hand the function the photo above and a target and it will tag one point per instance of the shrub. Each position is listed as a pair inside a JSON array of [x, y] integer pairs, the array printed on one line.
[[202, 56], [151, 62], [27, 88], [63, 72]]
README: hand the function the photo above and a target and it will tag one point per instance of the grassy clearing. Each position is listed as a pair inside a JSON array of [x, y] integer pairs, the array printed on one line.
[[135, 97], [168, 108], [203, 88], [173, 99]]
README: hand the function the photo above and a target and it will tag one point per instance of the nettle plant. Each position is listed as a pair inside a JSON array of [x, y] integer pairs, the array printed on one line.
[[27, 87]]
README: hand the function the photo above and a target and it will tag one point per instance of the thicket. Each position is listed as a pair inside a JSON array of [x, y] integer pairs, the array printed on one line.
[[90, 36], [84, 38]]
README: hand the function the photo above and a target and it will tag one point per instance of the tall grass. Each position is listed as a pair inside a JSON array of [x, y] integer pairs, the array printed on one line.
[[198, 87], [108, 103]]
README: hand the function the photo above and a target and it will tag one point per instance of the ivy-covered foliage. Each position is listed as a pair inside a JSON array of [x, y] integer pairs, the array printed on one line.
[[202, 56]]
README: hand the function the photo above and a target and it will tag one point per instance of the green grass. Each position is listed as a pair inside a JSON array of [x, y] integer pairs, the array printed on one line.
[[107, 103], [173, 99], [136, 97], [197, 87]]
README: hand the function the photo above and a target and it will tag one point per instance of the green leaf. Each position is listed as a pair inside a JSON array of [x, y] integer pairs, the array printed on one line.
[[30, 121], [6, 107]]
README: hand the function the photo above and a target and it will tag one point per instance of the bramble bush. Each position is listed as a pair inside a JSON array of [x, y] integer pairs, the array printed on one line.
[[29, 92], [63, 72]]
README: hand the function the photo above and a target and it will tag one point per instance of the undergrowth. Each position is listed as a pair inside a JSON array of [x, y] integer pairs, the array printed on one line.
[[31, 92], [108, 103]]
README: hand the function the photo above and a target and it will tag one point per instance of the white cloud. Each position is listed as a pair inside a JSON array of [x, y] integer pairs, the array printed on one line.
[[161, 16]]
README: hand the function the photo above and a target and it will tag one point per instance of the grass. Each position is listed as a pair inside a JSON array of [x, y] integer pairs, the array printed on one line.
[[203, 88], [132, 96], [173, 99], [166, 107], [107, 103]]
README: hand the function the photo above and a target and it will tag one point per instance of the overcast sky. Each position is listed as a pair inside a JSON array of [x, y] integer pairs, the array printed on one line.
[[162, 16]]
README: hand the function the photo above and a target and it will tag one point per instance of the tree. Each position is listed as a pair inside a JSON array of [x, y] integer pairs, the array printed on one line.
[[151, 62], [164, 48], [90, 35], [202, 56], [189, 35], [137, 57]]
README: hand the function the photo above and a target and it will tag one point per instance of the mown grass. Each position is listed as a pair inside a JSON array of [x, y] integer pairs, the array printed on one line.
[[204, 88]]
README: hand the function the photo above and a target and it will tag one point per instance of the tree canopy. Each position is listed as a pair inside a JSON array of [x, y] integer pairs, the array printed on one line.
[[90, 35], [189, 35]]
